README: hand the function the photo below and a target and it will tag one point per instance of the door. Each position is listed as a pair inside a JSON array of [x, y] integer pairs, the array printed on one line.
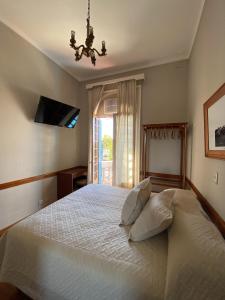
[[103, 150]]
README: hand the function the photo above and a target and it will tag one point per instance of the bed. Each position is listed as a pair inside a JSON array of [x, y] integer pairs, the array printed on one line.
[[75, 249]]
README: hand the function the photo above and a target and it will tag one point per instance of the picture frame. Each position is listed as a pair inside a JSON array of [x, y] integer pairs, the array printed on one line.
[[214, 124]]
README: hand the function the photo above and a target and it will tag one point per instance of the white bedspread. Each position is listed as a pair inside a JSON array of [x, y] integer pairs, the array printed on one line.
[[75, 249]]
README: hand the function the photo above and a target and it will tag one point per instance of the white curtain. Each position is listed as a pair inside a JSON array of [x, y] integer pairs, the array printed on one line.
[[126, 158], [94, 98]]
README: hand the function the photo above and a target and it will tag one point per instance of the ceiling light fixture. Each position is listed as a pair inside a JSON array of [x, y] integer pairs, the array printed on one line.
[[87, 50]]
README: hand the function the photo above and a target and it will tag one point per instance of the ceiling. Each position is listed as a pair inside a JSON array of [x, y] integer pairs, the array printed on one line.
[[138, 34]]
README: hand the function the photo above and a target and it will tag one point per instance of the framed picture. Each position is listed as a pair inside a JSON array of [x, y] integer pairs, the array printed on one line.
[[214, 121]]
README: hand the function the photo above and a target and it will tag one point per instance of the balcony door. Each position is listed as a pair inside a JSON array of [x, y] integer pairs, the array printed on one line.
[[103, 150]]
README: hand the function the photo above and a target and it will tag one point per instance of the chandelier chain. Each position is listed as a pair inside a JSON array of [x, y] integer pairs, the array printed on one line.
[[88, 9], [87, 49]]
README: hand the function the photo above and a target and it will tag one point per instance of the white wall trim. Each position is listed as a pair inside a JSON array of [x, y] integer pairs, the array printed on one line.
[[139, 67], [135, 77], [196, 28]]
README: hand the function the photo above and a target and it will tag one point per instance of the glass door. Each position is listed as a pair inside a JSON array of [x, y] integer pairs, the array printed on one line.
[[103, 150]]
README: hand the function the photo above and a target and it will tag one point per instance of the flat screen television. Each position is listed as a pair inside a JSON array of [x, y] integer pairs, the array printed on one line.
[[53, 112]]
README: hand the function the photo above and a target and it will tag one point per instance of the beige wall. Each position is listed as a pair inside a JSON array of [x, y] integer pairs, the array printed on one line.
[[206, 75], [27, 148], [164, 100], [164, 92]]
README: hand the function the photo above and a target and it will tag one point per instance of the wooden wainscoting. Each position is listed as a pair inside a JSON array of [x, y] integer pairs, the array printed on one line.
[[2, 231], [10, 184], [212, 213], [18, 182]]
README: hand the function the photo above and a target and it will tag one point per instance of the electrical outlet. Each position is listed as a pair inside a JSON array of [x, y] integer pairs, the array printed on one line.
[[215, 178]]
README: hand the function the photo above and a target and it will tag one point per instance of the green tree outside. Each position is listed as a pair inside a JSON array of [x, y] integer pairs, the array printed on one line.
[[107, 142]]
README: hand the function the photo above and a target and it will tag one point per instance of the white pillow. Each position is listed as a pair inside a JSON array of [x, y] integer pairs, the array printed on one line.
[[135, 202], [155, 217], [196, 259]]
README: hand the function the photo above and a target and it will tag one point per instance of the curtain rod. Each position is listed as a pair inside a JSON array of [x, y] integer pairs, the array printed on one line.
[[135, 77]]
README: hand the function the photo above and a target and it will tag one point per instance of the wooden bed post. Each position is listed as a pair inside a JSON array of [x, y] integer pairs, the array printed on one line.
[[144, 153], [184, 155]]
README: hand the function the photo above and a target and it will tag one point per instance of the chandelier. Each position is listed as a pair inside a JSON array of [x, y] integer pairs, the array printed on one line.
[[87, 49]]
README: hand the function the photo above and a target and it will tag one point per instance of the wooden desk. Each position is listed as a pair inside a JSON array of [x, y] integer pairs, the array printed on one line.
[[66, 180]]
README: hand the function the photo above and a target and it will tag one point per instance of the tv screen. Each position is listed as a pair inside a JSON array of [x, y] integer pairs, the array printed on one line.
[[53, 112]]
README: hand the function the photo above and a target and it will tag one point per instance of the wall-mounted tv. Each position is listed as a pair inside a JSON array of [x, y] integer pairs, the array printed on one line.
[[53, 112]]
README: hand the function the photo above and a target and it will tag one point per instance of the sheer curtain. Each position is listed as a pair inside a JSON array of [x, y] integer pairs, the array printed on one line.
[[94, 98], [126, 158]]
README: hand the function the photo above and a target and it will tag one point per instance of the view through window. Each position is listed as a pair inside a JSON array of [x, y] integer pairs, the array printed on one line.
[[103, 150]]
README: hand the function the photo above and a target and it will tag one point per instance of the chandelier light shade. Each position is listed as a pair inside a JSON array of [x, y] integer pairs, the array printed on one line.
[[87, 49]]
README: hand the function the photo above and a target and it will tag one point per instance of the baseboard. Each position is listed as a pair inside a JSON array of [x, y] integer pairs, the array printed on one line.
[[212, 213]]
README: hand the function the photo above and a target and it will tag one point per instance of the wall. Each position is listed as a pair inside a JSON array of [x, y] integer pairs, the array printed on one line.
[[164, 88], [206, 75], [164, 100], [27, 148]]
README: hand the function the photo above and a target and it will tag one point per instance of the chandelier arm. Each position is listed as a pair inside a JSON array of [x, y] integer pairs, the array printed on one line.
[[99, 54], [78, 48], [81, 53]]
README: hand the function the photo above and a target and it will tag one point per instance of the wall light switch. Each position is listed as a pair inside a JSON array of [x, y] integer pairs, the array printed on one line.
[[215, 178]]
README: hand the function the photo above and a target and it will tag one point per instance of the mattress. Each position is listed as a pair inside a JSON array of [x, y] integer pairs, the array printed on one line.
[[75, 249]]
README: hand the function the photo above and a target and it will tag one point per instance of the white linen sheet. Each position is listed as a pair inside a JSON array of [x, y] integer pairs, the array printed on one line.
[[75, 249]]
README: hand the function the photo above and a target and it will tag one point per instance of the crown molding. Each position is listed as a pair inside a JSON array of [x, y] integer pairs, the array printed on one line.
[[138, 67], [135, 77], [196, 28]]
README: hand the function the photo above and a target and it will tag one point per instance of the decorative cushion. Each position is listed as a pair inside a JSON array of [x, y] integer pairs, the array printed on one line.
[[155, 217], [196, 259], [135, 202]]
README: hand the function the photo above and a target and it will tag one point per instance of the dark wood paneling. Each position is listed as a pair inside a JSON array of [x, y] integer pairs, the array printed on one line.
[[212, 213]]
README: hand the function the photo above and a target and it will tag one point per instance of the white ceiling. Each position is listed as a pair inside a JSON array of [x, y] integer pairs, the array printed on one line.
[[137, 33]]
